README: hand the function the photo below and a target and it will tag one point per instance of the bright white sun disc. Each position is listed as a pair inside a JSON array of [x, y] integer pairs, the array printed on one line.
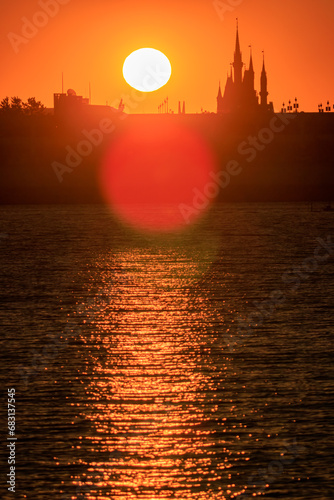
[[147, 70]]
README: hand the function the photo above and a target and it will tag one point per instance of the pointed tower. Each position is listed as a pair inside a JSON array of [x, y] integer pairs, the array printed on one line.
[[264, 88], [251, 68], [220, 104], [250, 99], [237, 63]]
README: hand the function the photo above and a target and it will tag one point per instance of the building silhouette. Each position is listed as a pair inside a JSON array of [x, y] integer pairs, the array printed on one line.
[[240, 94], [69, 103], [70, 107]]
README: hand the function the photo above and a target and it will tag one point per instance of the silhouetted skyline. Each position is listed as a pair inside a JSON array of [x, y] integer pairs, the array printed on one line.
[[89, 42], [240, 94]]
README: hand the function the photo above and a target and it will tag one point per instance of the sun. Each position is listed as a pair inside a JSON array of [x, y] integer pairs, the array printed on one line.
[[147, 69]]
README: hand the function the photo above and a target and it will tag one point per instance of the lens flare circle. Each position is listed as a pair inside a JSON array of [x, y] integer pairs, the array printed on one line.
[[147, 70], [154, 175]]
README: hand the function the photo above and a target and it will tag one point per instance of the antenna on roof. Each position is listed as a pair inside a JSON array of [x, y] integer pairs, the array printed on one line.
[[62, 82]]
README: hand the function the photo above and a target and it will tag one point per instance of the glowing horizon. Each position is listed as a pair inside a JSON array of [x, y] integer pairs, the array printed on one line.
[[90, 42]]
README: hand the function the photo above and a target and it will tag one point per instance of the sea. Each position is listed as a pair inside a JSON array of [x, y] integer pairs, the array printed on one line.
[[188, 365]]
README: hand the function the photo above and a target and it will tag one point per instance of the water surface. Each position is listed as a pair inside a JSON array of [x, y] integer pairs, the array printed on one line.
[[133, 376]]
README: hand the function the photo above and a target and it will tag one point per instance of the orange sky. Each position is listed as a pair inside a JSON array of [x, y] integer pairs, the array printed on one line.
[[89, 40]]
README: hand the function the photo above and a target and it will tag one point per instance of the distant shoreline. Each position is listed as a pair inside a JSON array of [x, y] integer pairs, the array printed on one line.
[[284, 157]]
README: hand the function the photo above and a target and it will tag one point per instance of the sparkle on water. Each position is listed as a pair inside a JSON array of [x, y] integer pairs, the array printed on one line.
[[132, 378]]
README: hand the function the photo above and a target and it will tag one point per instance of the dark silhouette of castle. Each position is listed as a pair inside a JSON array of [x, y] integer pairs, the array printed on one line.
[[240, 94]]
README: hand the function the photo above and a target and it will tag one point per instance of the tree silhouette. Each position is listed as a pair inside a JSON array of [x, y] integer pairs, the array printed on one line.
[[16, 104], [5, 104], [33, 107]]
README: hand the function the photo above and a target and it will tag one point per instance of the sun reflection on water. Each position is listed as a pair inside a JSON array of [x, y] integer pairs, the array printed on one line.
[[159, 391]]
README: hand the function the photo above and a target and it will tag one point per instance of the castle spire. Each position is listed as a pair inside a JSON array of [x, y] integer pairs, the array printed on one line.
[[219, 96], [251, 68], [263, 66], [264, 87], [237, 64], [219, 100], [237, 42]]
